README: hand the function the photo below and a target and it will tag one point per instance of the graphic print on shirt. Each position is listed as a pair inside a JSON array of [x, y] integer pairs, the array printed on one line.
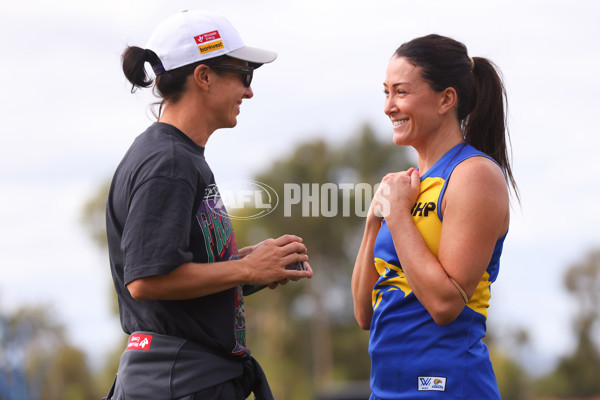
[[220, 243], [216, 226], [240, 323]]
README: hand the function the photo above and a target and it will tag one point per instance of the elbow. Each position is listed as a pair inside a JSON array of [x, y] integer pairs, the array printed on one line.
[[364, 321], [138, 289], [445, 313], [364, 324], [442, 319]]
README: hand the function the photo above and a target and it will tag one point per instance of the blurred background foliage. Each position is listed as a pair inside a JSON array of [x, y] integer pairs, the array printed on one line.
[[304, 333]]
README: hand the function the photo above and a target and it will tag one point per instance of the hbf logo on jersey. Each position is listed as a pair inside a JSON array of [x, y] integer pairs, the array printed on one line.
[[423, 209]]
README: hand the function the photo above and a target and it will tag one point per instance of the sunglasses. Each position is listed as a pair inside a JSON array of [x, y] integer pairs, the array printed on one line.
[[246, 72]]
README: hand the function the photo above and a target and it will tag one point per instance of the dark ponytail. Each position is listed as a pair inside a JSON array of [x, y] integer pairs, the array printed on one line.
[[482, 106], [488, 116], [133, 62]]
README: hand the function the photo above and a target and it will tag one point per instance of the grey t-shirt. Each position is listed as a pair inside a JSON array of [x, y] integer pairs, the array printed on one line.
[[164, 210]]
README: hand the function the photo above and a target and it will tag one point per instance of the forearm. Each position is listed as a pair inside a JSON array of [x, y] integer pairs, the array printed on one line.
[[425, 274], [261, 265], [190, 280], [364, 278]]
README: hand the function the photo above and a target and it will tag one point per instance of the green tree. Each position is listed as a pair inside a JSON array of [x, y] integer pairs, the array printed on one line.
[[69, 377], [37, 363], [513, 381], [578, 375], [93, 218]]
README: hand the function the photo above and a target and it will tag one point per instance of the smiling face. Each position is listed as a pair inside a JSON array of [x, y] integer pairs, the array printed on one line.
[[229, 91], [410, 103]]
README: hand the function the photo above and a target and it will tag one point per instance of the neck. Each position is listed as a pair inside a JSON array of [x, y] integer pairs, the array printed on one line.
[[182, 116], [437, 146]]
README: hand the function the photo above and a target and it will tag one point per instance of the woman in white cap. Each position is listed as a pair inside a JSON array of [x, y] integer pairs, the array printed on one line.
[[178, 274], [434, 235]]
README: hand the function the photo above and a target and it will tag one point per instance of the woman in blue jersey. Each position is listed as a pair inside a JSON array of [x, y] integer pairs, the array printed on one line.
[[431, 245]]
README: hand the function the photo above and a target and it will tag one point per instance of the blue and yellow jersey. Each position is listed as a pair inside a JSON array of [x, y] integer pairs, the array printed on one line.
[[413, 357]]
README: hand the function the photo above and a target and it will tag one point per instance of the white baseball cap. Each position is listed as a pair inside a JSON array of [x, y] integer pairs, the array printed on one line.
[[192, 36]]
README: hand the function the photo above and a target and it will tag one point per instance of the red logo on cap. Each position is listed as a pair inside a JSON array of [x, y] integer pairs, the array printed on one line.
[[207, 37], [139, 342]]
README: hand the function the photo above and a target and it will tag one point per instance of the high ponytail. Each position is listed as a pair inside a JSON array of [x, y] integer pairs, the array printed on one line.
[[489, 113], [482, 106]]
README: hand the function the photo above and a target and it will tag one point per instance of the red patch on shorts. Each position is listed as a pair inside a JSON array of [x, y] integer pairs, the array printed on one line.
[[139, 342]]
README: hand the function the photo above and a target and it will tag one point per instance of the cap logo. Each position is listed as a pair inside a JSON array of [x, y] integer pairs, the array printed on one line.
[[207, 48], [207, 37]]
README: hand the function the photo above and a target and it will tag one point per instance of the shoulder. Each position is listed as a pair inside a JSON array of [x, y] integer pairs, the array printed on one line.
[[478, 178], [161, 169], [479, 170], [164, 151], [478, 187], [476, 201]]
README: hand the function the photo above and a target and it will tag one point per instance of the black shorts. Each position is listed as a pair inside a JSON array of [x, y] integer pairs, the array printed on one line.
[[157, 366], [166, 367]]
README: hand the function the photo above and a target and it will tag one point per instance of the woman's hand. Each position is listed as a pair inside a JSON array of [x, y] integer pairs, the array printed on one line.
[[307, 267], [268, 259], [397, 191]]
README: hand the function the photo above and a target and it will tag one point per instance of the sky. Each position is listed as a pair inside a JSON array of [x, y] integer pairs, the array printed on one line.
[[68, 117]]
